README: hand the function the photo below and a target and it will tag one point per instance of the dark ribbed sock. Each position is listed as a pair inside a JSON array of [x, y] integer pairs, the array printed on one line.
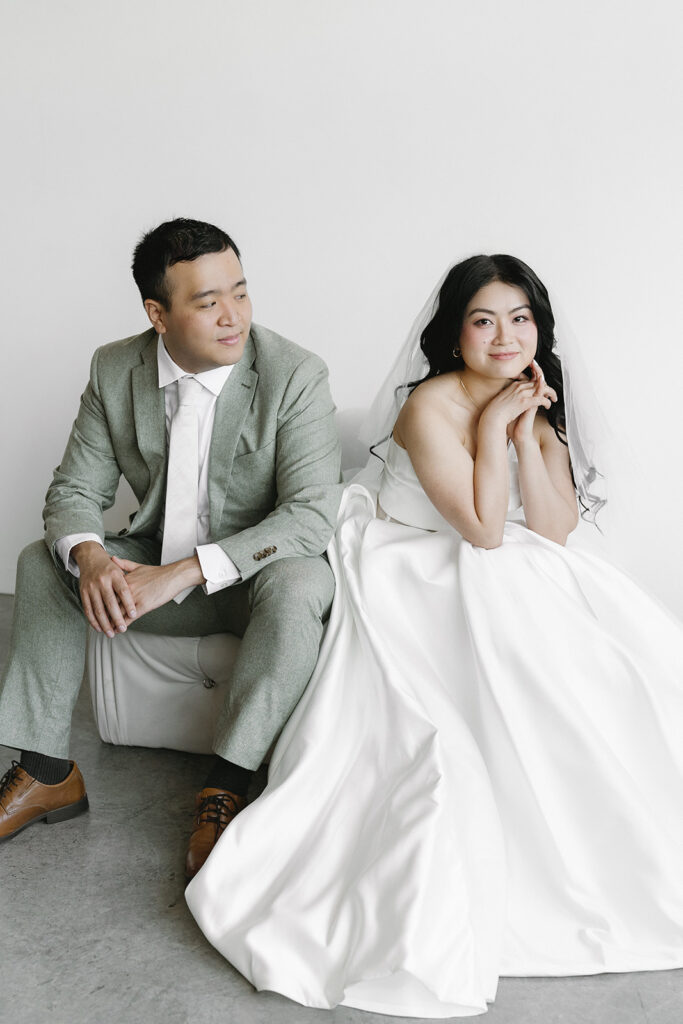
[[226, 775], [48, 770]]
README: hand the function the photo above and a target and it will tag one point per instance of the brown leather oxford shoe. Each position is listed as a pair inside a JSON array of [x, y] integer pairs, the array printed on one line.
[[24, 800], [214, 810]]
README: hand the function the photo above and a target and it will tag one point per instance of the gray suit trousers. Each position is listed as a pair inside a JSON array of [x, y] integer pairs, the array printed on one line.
[[279, 614]]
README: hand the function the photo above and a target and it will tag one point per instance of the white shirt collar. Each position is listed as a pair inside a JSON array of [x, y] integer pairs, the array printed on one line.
[[170, 372]]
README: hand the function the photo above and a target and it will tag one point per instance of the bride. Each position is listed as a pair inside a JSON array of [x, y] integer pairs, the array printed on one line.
[[485, 774]]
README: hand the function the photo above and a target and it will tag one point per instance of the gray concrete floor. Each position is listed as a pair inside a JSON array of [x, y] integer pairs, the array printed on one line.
[[94, 928]]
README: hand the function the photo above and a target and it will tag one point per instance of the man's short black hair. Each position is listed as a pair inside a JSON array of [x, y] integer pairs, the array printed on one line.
[[174, 241]]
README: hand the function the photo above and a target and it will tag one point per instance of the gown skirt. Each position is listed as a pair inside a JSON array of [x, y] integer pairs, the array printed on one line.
[[484, 777]]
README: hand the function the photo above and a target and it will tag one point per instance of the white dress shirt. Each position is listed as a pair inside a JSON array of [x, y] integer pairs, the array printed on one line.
[[218, 568]]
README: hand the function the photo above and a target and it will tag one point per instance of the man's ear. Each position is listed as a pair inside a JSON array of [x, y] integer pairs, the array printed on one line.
[[156, 314]]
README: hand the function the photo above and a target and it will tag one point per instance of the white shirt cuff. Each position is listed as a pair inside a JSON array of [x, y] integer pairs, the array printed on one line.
[[218, 568], [64, 545]]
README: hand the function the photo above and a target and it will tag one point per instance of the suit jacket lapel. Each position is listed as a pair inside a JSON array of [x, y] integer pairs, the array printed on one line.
[[231, 409], [149, 409]]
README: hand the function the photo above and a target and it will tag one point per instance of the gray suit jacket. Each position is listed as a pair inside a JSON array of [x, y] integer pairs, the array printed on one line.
[[274, 462]]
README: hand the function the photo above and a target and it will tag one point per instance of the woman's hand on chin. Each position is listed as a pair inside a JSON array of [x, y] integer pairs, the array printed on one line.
[[521, 430], [512, 404]]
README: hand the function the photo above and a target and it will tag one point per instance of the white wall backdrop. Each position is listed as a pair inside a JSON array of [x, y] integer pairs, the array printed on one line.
[[352, 148]]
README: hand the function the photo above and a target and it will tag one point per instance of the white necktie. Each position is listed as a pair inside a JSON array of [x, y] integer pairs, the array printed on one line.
[[180, 513]]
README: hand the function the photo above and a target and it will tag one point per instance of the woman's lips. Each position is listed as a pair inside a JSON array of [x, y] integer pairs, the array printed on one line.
[[504, 355]]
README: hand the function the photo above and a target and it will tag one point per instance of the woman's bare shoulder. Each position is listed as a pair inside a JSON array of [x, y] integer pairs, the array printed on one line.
[[440, 392], [433, 402], [544, 430]]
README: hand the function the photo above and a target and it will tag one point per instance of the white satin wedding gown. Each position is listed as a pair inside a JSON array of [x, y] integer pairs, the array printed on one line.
[[483, 778]]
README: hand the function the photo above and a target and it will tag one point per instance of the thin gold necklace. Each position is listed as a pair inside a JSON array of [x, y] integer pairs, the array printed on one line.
[[473, 402], [462, 385]]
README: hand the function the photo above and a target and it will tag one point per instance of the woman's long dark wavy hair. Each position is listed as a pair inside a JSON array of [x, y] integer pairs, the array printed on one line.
[[462, 282]]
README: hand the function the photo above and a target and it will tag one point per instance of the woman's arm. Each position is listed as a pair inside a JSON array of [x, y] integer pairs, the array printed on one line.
[[471, 493], [545, 483]]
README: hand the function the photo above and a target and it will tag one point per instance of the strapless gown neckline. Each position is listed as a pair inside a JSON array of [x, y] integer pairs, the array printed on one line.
[[402, 498]]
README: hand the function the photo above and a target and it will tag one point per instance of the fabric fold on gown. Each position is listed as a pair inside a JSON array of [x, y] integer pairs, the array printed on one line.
[[483, 778]]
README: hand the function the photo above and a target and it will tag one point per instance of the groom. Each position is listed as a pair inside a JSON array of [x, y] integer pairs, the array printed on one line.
[[225, 432]]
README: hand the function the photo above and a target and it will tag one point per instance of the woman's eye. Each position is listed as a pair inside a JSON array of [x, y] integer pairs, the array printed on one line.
[[521, 318], [483, 322]]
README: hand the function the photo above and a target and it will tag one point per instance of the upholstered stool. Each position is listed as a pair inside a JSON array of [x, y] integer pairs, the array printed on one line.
[[160, 691]]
